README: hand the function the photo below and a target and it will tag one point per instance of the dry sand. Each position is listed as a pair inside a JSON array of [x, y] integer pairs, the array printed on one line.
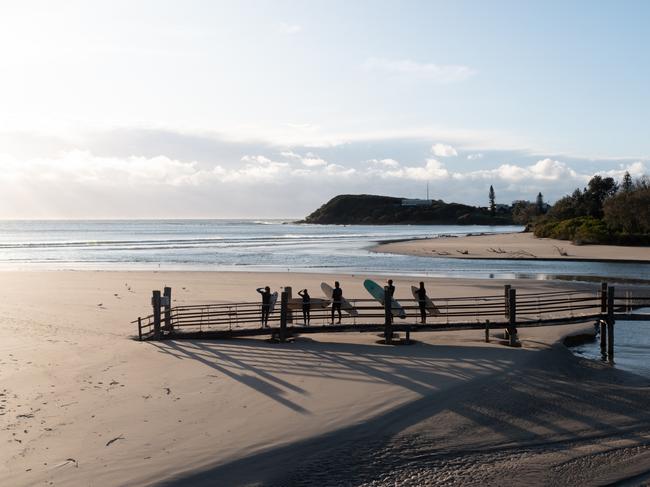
[[83, 404], [514, 246]]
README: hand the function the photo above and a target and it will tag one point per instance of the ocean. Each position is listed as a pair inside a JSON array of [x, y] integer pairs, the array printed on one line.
[[266, 245], [631, 346]]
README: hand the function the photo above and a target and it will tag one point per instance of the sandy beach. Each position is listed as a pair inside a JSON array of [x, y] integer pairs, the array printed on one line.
[[82, 403], [514, 246]]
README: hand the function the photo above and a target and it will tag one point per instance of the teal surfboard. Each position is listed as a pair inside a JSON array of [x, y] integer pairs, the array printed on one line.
[[377, 292]]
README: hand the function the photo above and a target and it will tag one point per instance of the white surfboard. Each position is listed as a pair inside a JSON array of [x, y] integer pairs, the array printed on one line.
[[431, 308], [272, 301], [315, 303], [346, 306]]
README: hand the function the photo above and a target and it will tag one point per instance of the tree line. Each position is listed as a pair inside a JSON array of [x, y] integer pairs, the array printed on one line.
[[605, 212]]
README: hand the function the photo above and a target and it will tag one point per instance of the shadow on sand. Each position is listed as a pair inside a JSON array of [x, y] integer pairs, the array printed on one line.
[[538, 402]]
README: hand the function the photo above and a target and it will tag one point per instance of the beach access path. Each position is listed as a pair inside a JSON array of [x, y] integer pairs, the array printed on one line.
[[82, 403], [514, 246]]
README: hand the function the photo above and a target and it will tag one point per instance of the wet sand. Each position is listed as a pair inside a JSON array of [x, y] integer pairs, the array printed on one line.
[[81, 403]]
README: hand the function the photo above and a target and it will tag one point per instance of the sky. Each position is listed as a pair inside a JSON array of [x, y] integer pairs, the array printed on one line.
[[261, 109]]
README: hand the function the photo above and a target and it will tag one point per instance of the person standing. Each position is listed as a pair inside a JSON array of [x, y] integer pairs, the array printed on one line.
[[422, 302], [306, 306], [337, 296], [391, 293], [266, 304], [391, 288]]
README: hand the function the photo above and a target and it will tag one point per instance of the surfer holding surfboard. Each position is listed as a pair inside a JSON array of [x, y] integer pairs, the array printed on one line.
[[421, 295], [424, 302]]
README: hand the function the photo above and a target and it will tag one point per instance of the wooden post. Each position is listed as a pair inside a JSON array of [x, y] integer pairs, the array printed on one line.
[[610, 323], [512, 316], [388, 317], [603, 297], [487, 331], [408, 335], [506, 296], [140, 328], [289, 291], [167, 293], [155, 302], [603, 339], [284, 302]]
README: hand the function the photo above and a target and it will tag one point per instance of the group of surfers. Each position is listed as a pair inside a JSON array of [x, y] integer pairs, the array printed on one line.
[[337, 298]]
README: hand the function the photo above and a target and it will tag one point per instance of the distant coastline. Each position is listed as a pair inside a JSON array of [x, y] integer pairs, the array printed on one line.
[[366, 209]]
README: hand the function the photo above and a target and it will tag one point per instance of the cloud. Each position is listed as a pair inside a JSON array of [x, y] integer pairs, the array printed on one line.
[[338, 170], [636, 169], [78, 166], [146, 173], [290, 155], [443, 150], [439, 73], [543, 170], [475, 157], [384, 162], [432, 170], [290, 29], [310, 159]]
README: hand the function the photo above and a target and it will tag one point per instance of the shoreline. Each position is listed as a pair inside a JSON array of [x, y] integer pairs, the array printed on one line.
[[83, 402], [514, 246]]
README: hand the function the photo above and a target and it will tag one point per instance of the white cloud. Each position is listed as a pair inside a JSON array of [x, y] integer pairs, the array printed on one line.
[[310, 159], [543, 170], [636, 169], [432, 170], [475, 157], [443, 150], [290, 155], [338, 170], [439, 73], [78, 166], [84, 184], [290, 29], [384, 162]]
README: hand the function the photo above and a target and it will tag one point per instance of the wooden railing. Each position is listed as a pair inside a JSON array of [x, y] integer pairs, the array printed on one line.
[[508, 310]]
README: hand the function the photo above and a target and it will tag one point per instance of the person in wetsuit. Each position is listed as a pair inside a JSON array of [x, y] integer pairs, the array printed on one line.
[[391, 293], [306, 305], [337, 296], [266, 304], [421, 294]]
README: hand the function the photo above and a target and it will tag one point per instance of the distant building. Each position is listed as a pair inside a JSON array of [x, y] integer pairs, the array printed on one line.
[[521, 202], [502, 207], [417, 202]]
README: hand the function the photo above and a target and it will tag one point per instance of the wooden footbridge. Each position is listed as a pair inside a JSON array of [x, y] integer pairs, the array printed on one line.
[[509, 311]]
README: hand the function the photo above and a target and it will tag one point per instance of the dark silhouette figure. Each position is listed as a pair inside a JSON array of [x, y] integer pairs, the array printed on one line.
[[391, 288], [266, 304], [337, 296], [391, 293], [306, 305], [422, 302]]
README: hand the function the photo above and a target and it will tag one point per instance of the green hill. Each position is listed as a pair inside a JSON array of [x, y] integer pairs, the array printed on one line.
[[365, 209]]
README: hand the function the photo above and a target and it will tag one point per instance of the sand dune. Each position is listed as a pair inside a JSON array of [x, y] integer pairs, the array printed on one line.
[[81, 403]]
